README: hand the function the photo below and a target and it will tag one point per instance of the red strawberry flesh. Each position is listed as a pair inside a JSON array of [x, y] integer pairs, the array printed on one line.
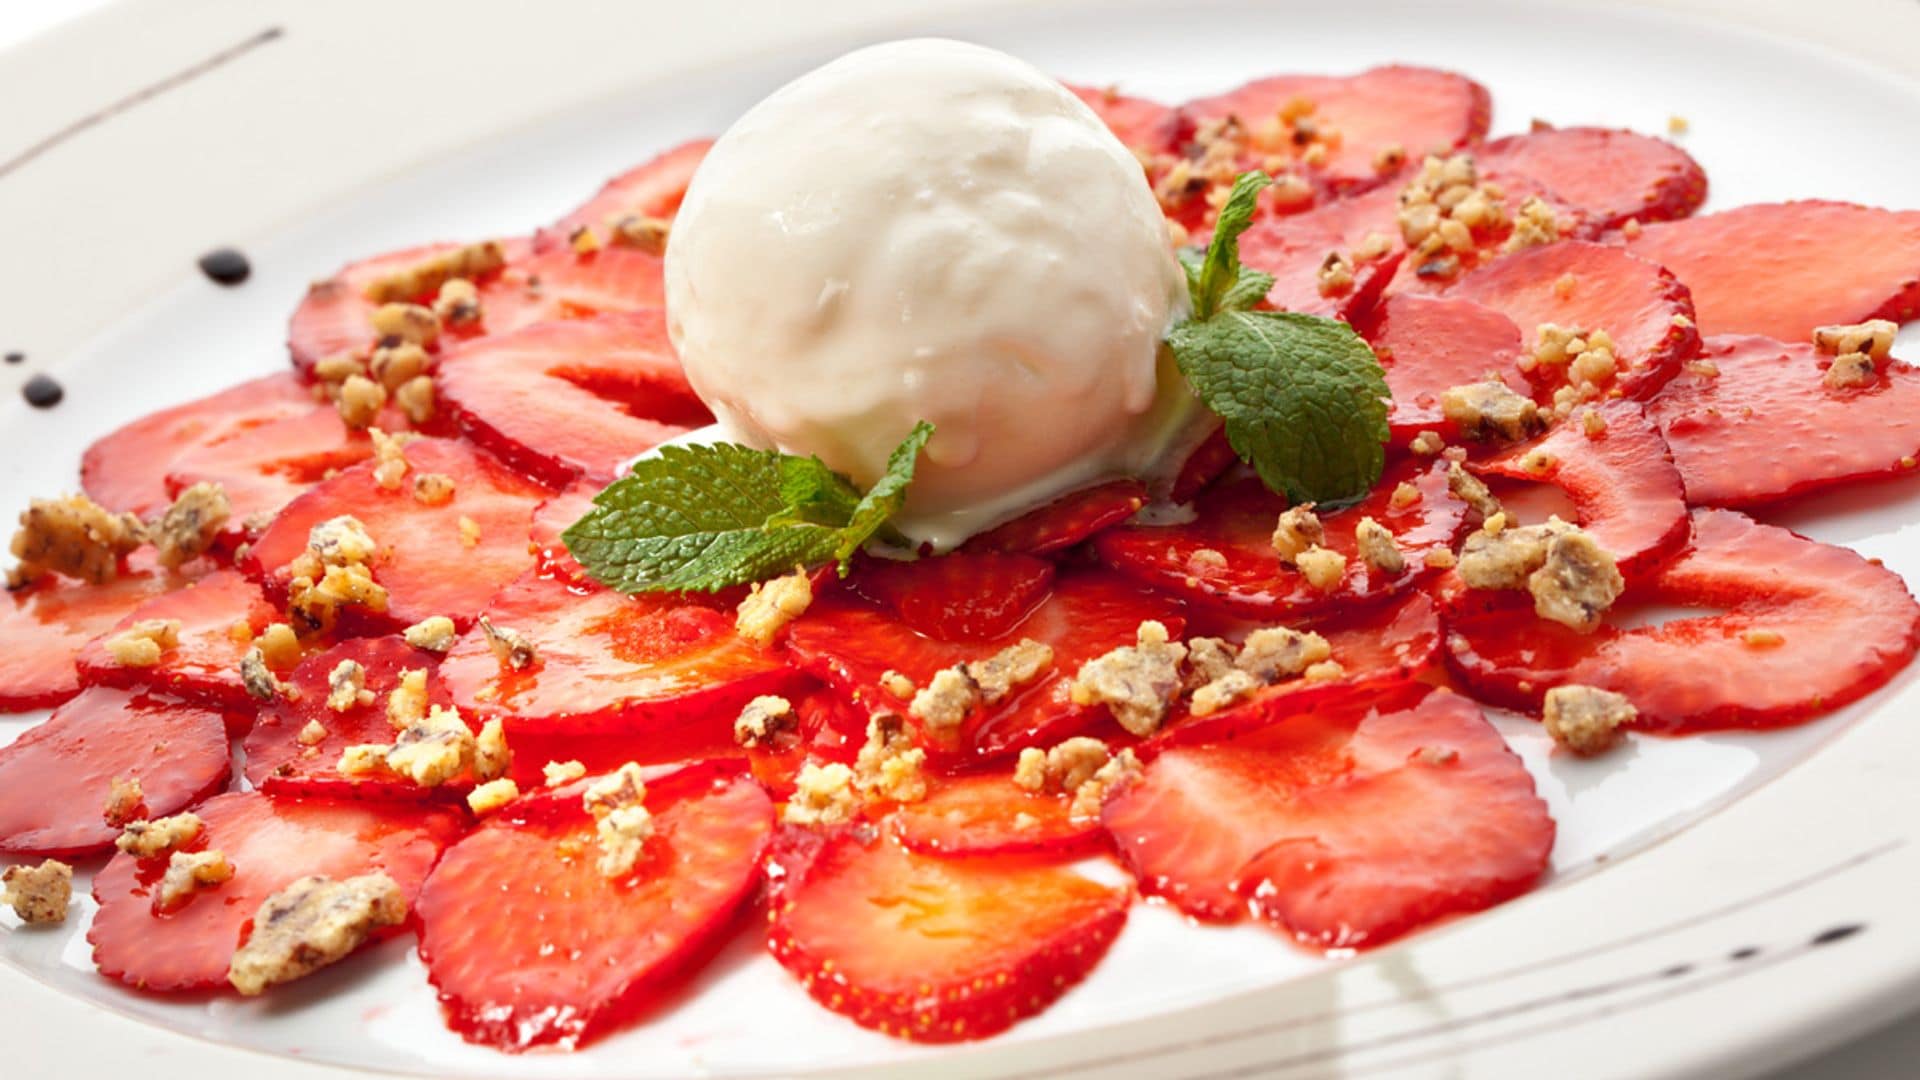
[[205, 666]]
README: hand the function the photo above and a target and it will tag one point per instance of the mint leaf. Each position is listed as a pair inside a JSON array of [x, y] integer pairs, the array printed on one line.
[[1212, 279], [703, 518], [1303, 398]]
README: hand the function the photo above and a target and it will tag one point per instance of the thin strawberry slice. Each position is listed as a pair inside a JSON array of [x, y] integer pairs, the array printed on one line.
[[659, 666], [1800, 629], [987, 814], [962, 596], [1143, 125], [44, 626], [284, 756], [932, 949], [550, 554], [1375, 647], [556, 282], [851, 645], [1622, 482], [1293, 249], [1821, 262], [1208, 462], [1610, 176], [1595, 287], [205, 666], [1767, 427], [1066, 521], [653, 189], [1429, 344], [263, 467], [271, 842], [336, 317], [529, 944], [1305, 822], [830, 729], [430, 563], [1235, 519], [1415, 110], [127, 469], [561, 401], [56, 778]]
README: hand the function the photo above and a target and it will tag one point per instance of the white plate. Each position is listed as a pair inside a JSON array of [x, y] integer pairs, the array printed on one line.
[[1773, 916]]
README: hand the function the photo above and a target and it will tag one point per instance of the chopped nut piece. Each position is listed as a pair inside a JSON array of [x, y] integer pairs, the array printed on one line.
[[364, 759], [1378, 548], [1762, 639], [1849, 371], [407, 702], [1538, 462], [1335, 275], [341, 541], [347, 687], [766, 721], [333, 370], [1137, 683], [458, 303], [73, 536], [1495, 524], [1677, 125], [1440, 559], [144, 643], [434, 750], [188, 872], [315, 607], [390, 460], [1505, 559], [1491, 410], [1404, 495], [1469, 489], [1208, 658], [123, 801], [557, 773], [648, 234], [1554, 344], [412, 323], [433, 489], [162, 836], [1577, 583], [1121, 769], [1427, 444], [1873, 337], [491, 755], [584, 240], [890, 766], [313, 734], [187, 528], [491, 796], [947, 699], [1276, 652], [416, 398], [39, 895], [1298, 529], [1704, 369], [423, 278], [1534, 225], [1586, 720], [772, 605], [1228, 689], [361, 400], [1372, 246], [1593, 424], [435, 635], [470, 534], [310, 924], [822, 795], [511, 648], [1072, 768], [259, 680], [1324, 671], [1323, 568], [1390, 158], [622, 835], [1009, 669], [1595, 365], [279, 646], [897, 684]]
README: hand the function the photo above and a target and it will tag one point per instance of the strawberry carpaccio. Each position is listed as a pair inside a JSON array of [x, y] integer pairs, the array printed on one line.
[[1261, 713]]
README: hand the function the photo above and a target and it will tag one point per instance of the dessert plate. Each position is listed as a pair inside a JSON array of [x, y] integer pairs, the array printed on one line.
[[1718, 904]]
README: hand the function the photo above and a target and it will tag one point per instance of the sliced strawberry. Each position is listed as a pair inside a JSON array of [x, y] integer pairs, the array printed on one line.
[[1595, 287], [1610, 176], [962, 596], [1065, 521], [555, 516], [1820, 262], [1293, 248], [1143, 125], [336, 317], [1767, 427], [850, 645], [1801, 628], [931, 949], [830, 728], [1307, 821], [987, 814], [658, 666], [281, 760], [1375, 647], [56, 778], [426, 562], [1622, 481], [263, 467], [565, 400], [1417, 110], [1429, 344], [205, 666], [44, 626], [530, 945], [127, 470], [1236, 519], [271, 842], [556, 282], [1207, 463], [653, 190]]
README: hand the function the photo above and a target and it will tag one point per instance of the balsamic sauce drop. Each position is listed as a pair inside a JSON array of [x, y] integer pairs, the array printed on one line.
[[42, 392], [226, 266]]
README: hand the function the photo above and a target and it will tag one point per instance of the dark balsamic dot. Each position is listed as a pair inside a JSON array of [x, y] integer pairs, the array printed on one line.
[[226, 266], [1676, 971], [1747, 953], [16, 358], [1838, 933], [42, 392]]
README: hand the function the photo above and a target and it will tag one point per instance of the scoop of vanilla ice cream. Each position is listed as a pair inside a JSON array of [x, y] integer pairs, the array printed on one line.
[[932, 230]]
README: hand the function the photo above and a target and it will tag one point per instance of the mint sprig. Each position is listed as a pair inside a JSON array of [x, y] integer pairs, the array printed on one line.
[[1303, 398], [704, 518]]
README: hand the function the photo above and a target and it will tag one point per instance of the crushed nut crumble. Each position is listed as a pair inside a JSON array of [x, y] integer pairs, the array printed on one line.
[[74, 536], [310, 924], [123, 801], [187, 528], [188, 872], [1584, 719], [1491, 410], [766, 721], [1136, 683], [1577, 583], [1298, 529], [890, 766], [39, 895], [144, 643], [1378, 548], [822, 795], [558, 773], [491, 796], [772, 605], [425, 277], [510, 647], [1471, 490], [1322, 567], [162, 836], [947, 699], [347, 687]]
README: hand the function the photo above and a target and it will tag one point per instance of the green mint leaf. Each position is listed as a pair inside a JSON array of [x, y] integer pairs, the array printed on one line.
[[1251, 288], [703, 518], [1303, 398], [889, 494], [1219, 270]]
